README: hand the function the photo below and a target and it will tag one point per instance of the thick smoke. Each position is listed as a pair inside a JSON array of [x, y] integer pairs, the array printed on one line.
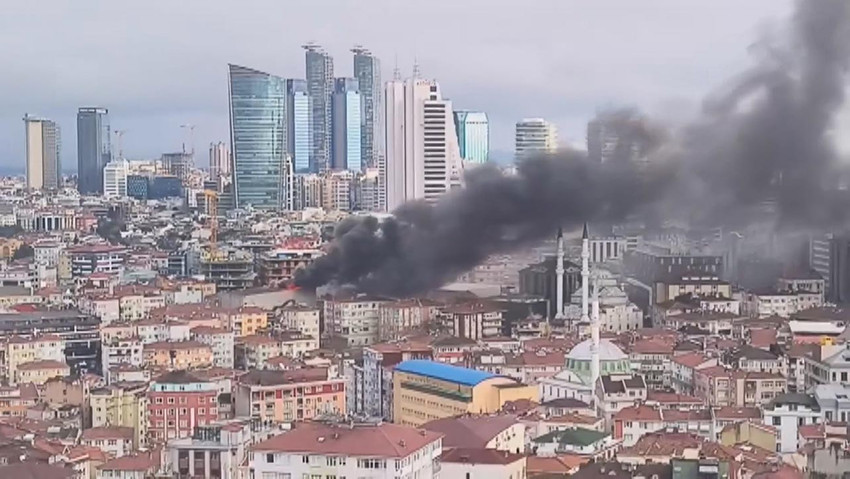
[[765, 138]]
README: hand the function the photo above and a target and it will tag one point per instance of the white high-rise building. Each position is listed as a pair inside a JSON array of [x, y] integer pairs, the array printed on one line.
[[535, 135], [115, 178], [44, 170], [423, 158]]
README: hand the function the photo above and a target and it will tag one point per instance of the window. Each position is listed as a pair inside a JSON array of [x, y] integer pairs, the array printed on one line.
[[183, 400], [305, 459], [201, 400], [776, 421], [170, 400], [158, 401], [269, 458], [202, 411]]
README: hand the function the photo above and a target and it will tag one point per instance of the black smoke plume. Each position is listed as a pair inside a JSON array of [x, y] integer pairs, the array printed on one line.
[[764, 138]]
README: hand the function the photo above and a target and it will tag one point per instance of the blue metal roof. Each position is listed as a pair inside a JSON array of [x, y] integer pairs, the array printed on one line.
[[444, 372]]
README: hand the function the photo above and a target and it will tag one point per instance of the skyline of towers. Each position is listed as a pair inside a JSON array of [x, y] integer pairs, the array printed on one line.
[[367, 71], [473, 135], [43, 153], [94, 148], [346, 153], [299, 140], [262, 170], [534, 135], [423, 161], [319, 72]]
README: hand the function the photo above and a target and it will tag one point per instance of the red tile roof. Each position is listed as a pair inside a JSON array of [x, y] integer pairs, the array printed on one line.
[[470, 431], [41, 364], [107, 432], [737, 413], [137, 462], [666, 398], [385, 440], [652, 346], [638, 413], [690, 360], [480, 456]]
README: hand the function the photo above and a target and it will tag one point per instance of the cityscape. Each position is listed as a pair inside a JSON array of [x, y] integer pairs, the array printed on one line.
[[357, 281]]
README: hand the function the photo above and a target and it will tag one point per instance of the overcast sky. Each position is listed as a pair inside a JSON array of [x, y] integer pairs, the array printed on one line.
[[158, 64]]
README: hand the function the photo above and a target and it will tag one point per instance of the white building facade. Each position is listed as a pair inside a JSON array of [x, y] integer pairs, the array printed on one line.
[[423, 156]]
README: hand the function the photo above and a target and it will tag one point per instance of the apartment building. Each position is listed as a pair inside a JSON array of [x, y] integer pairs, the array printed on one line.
[[354, 450], [178, 402], [287, 396]]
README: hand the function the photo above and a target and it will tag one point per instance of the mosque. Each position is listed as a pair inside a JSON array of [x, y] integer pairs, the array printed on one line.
[[597, 371]]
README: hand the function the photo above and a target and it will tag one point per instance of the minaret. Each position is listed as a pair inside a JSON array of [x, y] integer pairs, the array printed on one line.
[[559, 277], [594, 339], [585, 274]]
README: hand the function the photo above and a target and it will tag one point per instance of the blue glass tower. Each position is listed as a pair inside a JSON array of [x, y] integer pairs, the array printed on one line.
[[473, 135], [346, 153], [93, 149], [299, 142], [258, 138]]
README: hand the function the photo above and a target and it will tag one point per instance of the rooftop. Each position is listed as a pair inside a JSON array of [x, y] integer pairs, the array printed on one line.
[[108, 432], [573, 436], [479, 456], [444, 372], [384, 440], [470, 431]]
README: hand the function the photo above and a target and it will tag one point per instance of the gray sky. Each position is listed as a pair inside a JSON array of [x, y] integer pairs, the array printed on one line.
[[158, 64]]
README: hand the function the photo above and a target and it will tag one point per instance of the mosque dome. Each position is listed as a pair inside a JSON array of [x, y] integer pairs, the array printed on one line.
[[612, 360], [608, 351]]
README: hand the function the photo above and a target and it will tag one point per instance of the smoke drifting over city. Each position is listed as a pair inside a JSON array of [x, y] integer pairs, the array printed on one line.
[[764, 137]]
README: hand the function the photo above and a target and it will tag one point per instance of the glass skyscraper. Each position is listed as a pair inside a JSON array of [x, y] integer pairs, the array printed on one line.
[[299, 143], [346, 148], [367, 70], [94, 150], [258, 139], [473, 135], [320, 82]]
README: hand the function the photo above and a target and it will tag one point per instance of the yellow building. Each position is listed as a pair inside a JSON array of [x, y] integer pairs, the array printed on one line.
[[177, 355], [427, 390], [750, 432], [248, 320], [125, 406], [38, 372], [8, 247], [21, 350]]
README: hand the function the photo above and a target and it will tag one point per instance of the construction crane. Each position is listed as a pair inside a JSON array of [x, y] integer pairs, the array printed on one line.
[[191, 128], [211, 197]]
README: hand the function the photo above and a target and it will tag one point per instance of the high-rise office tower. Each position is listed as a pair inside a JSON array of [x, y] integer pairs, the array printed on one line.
[[345, 145], [44, 168], [320, 85], [299, 143], [535, 135], [115, 178], [261, 168], [367, 70], [423, 161], [473, 135], [94, 149], [219, 160], [610, 139]]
